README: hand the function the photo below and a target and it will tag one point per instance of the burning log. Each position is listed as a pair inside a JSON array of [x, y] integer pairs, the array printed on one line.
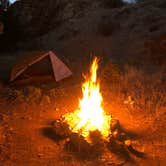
[[82, 148], [78, 143], [117, 132]]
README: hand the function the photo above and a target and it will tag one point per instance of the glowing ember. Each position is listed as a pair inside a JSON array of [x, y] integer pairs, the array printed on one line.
[[90, 115]]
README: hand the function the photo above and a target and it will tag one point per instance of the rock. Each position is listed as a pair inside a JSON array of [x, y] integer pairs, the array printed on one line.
[[61, 128]]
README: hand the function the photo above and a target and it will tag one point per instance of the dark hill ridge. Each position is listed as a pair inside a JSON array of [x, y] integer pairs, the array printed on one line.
[[35, 17], [135, 32]]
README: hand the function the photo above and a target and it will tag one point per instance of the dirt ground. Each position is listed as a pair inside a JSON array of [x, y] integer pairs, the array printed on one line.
[[27, 137]]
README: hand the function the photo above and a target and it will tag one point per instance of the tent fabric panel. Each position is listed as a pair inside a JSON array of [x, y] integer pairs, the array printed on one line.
[[60, 70], [38, 59], [15, 75], [40, 68], [19, 68], [23, 63]]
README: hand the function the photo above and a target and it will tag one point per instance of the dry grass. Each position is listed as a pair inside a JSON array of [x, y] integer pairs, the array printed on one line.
[[146, 90]]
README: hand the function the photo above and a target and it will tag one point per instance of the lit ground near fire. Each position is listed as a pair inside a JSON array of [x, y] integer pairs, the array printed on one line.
[[131, 44], [26, 115]]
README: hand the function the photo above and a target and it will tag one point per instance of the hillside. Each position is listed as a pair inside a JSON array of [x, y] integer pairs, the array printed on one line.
[[78, 28]]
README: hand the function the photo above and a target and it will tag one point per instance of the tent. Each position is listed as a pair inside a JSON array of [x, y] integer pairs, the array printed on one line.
[[39, 67]]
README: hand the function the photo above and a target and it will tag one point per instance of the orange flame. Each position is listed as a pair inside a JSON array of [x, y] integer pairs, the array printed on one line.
[[90, 115]]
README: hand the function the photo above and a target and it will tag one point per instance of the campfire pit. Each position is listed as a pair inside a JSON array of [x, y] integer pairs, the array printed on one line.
[[89, 129], [118, 141]]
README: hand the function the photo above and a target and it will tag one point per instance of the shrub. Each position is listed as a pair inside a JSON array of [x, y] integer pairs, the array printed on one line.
[[111, 73], [32, 94]]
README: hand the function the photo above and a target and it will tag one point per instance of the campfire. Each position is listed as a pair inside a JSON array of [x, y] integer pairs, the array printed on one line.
[[89, 129], [90, 115]]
